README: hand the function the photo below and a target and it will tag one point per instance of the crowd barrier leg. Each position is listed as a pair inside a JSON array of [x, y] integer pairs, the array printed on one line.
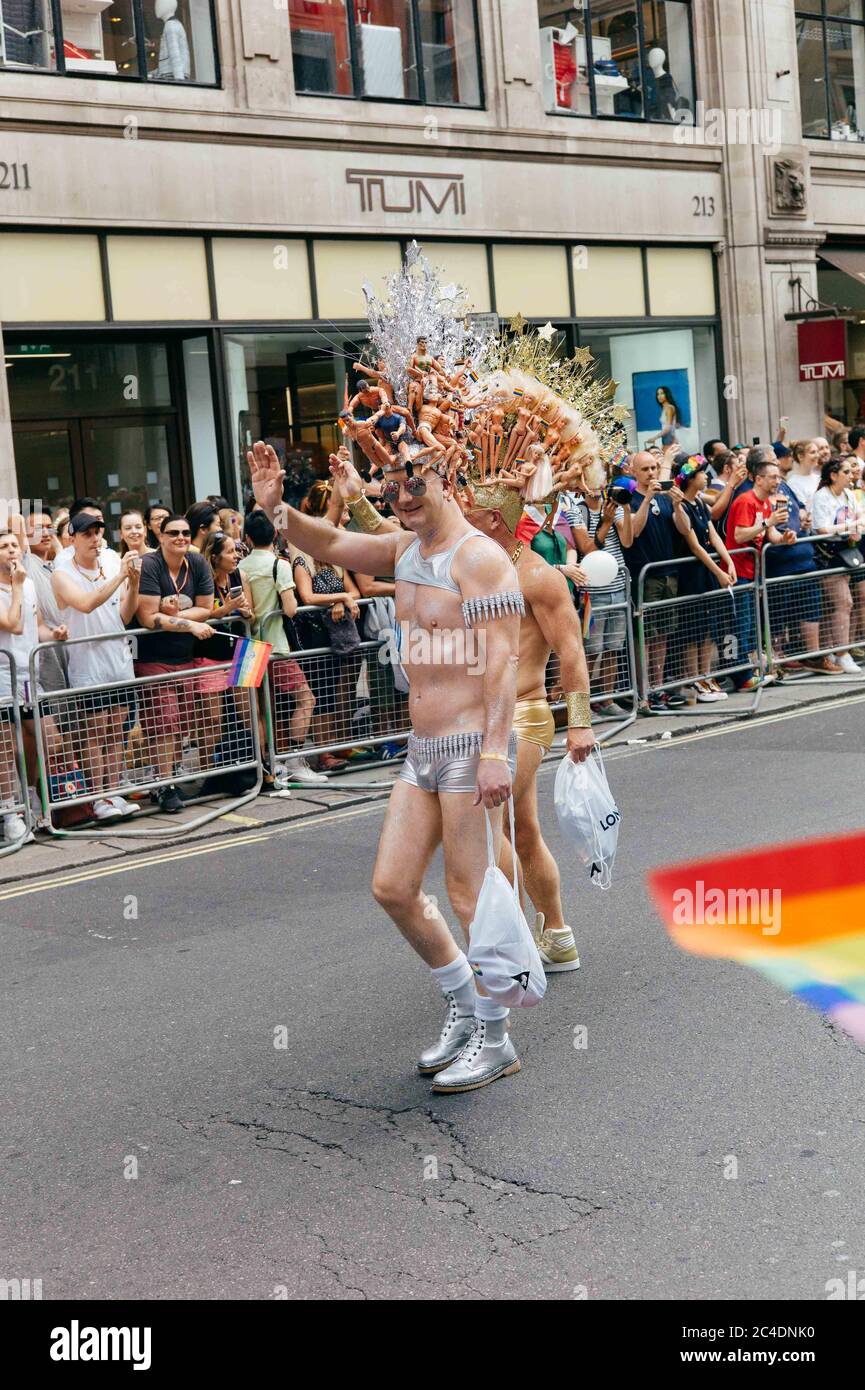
[[14, 761]]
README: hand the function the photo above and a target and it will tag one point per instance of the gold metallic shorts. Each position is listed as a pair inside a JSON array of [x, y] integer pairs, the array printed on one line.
[[533, 721]]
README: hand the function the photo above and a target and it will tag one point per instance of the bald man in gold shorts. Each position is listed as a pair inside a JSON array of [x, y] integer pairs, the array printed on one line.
[[550, 624]]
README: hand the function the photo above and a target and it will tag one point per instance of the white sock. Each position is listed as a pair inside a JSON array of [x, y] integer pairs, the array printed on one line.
[[489, 1010], [456, 977]]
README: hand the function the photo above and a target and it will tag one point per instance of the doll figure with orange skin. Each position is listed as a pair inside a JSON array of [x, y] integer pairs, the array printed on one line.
[[378, 375]]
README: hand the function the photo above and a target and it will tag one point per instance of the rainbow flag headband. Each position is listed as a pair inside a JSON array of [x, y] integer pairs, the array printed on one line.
[[249, 662]]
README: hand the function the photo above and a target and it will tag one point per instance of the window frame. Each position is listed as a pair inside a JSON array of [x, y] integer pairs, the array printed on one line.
[[594, 114], [820, 16], [60, 69], [357, 66]]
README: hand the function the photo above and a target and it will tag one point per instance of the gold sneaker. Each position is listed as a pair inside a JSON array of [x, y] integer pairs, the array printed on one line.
[[557, 949]]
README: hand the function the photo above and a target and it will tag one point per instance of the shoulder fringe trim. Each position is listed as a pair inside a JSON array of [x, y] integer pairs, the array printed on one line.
[[493, 606]]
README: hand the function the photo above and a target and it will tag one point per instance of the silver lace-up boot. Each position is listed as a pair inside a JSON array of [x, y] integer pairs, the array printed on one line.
[[455, 1033], [488, 1054]]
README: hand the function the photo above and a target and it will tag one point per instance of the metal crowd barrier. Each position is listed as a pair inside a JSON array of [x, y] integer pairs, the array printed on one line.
[[712, 633], [65, 722], [611, 630], [799, 610], [316, 701], [14, 799]]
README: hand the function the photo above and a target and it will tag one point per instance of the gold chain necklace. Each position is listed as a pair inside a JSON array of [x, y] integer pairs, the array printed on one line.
[[517, 553]]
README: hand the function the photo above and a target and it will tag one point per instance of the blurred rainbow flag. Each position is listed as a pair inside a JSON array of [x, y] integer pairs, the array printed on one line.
[[794, 912], [249, 662]]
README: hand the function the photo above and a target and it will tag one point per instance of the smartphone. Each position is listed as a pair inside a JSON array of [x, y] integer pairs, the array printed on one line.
[[667, 484], [755, 441]]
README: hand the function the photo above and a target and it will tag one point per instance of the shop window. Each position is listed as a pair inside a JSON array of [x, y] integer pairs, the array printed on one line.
[[50, 277], [531, 280], [655, 365], [341, 267], [287, 389], [630, 61], [608, 282], [158, 278], [681, 281], [104, 38], [462, 263], [830, 38], [261, 278], [389, 50]]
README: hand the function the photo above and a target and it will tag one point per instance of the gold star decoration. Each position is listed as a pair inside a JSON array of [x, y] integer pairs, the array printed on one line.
[[583, 356], [621, 413], [546, 332], [518, 323], [610, 389]]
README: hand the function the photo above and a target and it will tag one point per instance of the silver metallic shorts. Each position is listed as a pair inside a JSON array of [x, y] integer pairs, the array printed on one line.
[[448, 763]]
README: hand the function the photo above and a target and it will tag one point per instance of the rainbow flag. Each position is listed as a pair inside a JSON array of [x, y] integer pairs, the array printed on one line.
[[794, 912], [249, 662], [587, 614]]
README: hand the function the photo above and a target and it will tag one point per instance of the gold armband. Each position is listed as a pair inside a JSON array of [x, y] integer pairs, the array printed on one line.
[[364, 513], [579, 712], [496, 757]]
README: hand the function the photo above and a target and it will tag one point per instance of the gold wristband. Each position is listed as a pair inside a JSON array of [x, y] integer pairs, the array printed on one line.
[[350, 501], [496, 757], [364, 513], [579, 711]]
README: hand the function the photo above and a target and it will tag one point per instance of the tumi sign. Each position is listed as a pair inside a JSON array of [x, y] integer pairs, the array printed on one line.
[[387, 190], [822, 350]]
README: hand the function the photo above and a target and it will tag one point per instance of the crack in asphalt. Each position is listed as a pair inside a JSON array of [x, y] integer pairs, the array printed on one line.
[[498, 1215]]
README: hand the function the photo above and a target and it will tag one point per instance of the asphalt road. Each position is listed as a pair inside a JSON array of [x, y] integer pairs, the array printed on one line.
[[325, 1168]]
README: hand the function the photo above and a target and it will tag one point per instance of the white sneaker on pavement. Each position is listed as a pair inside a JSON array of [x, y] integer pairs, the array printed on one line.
[[103, 809], [124, 807], [847, 664], [297, 769]]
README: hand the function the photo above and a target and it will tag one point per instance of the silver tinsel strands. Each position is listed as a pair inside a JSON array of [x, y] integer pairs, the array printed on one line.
[[493, 606], [417, 305]]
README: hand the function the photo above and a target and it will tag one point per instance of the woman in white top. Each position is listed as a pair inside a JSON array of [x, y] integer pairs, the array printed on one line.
[[805, 477], [21, 629], [834, 513], [94, 604], [133, 534]]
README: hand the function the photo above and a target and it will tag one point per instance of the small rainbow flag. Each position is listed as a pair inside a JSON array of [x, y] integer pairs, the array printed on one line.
[[587, 614], [794, 912], [249, 662]]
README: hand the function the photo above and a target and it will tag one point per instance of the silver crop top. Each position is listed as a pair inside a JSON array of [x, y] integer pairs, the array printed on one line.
[[435, 571]]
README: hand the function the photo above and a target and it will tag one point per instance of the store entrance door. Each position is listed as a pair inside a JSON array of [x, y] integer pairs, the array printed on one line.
[[123, 462]]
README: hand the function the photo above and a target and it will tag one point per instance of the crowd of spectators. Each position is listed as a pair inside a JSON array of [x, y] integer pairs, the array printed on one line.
[[161, 712]]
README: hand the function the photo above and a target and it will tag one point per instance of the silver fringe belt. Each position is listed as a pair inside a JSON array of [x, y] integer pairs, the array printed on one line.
[[450, 746], [493, 606]]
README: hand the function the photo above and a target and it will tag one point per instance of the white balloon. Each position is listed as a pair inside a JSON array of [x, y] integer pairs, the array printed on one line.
[[599, 568]]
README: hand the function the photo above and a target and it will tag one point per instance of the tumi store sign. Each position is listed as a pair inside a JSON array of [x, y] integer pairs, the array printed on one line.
[[822, 350]]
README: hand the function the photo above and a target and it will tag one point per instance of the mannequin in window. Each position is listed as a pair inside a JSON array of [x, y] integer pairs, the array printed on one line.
[[661, 91], [174, 63]]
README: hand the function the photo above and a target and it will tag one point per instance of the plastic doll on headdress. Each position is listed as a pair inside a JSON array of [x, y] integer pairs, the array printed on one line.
[[366, 400], [378, 375], [394, 426]]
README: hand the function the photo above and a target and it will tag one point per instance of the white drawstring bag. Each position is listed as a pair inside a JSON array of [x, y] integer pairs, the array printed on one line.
[[588, 815], [502, 950]]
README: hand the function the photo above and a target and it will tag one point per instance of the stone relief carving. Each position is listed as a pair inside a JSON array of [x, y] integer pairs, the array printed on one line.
[[788, 186]]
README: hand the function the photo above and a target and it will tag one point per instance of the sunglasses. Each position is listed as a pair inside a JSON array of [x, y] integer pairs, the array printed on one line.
[[178, 535], [415, 487]]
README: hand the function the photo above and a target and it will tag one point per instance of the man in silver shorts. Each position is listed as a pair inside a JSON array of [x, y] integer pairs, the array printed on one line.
[[458, 603]]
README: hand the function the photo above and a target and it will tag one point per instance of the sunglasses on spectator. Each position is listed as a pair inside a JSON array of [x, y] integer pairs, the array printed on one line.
[[178, 534]]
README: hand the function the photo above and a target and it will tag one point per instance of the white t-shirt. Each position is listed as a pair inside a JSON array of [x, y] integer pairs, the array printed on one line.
[[97, 663], [804, 485], [829, 510], [19, 644]]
